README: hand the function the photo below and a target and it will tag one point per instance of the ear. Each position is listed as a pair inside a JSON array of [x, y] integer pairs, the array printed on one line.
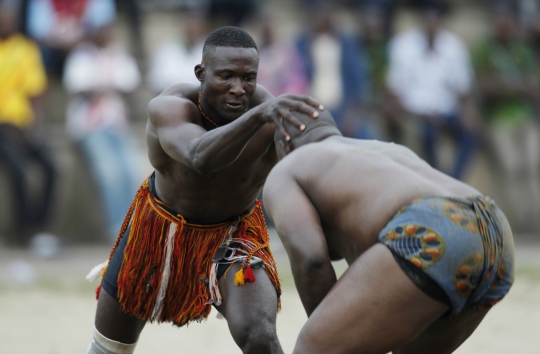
[[199, 72]]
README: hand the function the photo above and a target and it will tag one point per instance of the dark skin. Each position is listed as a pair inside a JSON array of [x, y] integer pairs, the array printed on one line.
[[329, 199], [210, 174]]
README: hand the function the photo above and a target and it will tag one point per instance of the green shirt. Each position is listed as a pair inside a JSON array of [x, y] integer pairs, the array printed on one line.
[[508, 64]]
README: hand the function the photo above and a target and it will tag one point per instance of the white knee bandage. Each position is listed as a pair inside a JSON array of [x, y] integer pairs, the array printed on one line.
[[103, 345]]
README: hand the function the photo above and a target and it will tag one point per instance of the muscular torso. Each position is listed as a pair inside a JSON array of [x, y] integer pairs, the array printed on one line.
[[218, 196], [357, 186]]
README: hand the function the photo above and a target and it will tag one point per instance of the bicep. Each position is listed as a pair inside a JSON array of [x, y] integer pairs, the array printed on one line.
[[176, 132]]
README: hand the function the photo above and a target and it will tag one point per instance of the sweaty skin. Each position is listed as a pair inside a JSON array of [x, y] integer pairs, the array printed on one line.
[[329, 199]]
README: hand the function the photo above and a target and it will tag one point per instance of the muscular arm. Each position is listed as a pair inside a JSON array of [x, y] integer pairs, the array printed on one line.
[[299, 227], [174, 119]]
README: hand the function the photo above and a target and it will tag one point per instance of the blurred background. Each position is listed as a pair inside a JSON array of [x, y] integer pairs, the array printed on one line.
[[457, 81]]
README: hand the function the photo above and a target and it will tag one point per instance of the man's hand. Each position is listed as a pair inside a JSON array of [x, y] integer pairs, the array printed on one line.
[[279, 109]]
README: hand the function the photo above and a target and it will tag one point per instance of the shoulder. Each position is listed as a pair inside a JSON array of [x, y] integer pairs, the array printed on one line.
[[175, 102], [452, 41], [260, 95], [24, 43]]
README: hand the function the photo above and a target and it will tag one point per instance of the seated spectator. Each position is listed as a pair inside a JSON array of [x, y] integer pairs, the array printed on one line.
[[174, 61], [58, 25], [510, 92], [280, 68], [335, 66], [98, 72], [431, 75], [22, 144]]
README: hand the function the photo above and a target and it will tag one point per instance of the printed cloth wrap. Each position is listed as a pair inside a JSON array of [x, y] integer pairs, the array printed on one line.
[[463, 244]]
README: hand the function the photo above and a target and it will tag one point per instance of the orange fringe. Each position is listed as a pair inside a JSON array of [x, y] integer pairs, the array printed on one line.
[[187, 297]]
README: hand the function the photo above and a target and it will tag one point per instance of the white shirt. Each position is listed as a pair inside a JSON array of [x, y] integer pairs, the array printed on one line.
[[96, 78], [429, 81], [327, 85], [173, 63]]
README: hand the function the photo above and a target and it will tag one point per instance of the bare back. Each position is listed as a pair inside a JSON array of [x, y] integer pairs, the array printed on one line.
[[357, 186], [202, 197]]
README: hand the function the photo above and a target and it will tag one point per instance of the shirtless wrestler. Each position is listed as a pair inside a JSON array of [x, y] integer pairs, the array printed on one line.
[[428, 255], [196, 219]]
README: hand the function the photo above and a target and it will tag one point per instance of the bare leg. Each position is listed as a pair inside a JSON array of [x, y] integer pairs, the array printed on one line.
[[373, 308], [251, 311], [114, 324], [444, 336]]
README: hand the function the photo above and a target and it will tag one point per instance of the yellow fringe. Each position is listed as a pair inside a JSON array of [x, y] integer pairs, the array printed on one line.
[[239, 278]]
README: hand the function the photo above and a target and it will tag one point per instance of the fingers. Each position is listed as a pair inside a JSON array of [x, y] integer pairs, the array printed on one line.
[[307, 99], [281, 128], [292, 120]]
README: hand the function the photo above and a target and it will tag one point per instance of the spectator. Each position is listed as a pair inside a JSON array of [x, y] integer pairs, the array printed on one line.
[[510, 87], [22, 81], [280, 68], [377, 102], [431, 75], [335, 66], [98, 73], [175, 60], [58, 25]]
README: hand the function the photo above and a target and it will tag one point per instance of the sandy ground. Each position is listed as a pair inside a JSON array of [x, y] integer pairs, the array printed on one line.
[[53, 313]]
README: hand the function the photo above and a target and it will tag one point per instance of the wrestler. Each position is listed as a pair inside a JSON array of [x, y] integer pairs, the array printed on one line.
[[196, 218], [428, 255]]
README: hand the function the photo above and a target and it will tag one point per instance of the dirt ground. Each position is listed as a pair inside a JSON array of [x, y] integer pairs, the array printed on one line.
[[47, 307]]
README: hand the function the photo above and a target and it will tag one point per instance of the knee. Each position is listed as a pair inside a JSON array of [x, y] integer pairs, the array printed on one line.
[[257, 336], [103, 345]]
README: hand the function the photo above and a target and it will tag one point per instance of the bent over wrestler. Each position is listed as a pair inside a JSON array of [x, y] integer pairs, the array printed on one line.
[[196, 219], [428, 255]]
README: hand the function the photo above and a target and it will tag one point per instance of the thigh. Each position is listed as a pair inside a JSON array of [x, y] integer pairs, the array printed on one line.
[[373, 308], [444, 335], [253, 304]]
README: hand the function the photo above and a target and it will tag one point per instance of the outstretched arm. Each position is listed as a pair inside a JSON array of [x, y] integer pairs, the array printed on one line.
[[175, 120], [299, 228]]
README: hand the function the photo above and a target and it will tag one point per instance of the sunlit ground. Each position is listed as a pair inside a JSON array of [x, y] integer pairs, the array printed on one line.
[[53, 313]]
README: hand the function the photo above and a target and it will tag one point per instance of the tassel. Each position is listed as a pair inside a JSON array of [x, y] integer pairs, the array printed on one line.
[[248, 275], [239, 278], [98, 291], [97, 271]]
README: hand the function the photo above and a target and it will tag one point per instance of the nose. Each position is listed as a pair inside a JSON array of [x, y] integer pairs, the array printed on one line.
[[237, 88]]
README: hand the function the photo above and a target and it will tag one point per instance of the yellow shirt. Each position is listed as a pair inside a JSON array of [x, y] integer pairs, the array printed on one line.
[[21, 77]]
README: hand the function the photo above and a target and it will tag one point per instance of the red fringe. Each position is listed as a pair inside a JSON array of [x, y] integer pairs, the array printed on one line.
[[194, 246], [248, 275]]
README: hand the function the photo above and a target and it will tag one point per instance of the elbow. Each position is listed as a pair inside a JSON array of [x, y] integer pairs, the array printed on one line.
[[203, 163], [201, 166]]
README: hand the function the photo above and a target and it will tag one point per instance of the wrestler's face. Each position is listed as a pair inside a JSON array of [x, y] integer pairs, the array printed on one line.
[[228, 78]]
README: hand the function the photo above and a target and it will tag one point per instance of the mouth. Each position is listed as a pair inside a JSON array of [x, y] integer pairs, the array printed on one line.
[[234, 105]]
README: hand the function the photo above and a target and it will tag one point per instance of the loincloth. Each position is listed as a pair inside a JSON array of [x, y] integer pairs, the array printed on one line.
[[463, 244], [168, 272]]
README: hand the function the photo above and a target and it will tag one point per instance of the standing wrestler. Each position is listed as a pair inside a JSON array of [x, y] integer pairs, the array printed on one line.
[[428, 255], [196, 218]]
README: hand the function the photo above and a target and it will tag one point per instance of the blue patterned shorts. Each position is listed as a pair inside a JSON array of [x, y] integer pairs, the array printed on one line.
[[464, 244]]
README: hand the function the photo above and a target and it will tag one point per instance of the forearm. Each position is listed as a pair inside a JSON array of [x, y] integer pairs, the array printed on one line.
[[220, 147], [313, 281]]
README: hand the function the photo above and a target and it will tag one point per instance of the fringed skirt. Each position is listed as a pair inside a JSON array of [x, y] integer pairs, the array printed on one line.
[[168, 273]]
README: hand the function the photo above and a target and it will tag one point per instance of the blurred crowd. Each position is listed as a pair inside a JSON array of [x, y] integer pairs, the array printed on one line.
[[420, 87]]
